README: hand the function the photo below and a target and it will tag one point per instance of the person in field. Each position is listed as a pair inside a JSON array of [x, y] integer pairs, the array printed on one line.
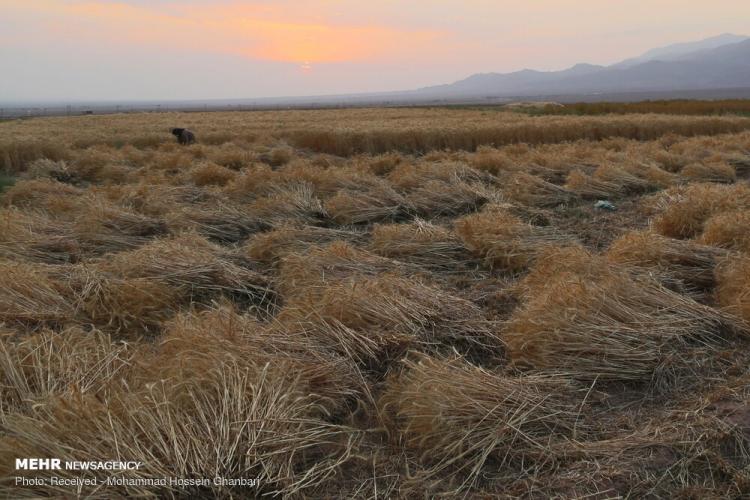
[[184, 136]]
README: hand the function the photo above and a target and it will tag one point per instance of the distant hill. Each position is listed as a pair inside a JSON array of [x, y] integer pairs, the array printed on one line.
[[680, 50], [715, 63]]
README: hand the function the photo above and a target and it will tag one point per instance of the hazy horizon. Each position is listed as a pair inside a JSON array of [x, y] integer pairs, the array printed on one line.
[[63, 50]]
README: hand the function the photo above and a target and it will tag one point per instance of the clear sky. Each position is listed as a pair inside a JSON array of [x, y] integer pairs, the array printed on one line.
[[194, 49]]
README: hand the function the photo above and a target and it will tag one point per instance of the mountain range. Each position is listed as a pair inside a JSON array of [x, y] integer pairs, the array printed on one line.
[[721, 62]]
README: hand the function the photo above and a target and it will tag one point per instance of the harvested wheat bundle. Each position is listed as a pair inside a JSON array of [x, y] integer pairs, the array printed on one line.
[[372, 349], [157, 200], [620, 177], [530, 190], [375, 205], [211, 174], [460, 417], [689, 262], [703, 441], [103, 228], [127, 307], [221, 332], [42, 194], [35, 237], [494, 161], [393, 303], [733, 286], [504, 241], [687, 209], [194, 266], [256, 420], [252, 182], [741, 163], [652, 174], [328, 181], [729, 230], [421, 243], [438, 198], [383, 164], [669, 161], [44, 167], [587, 186], [48, 363], [219, 222], [331, 263], [590, 319], [709, 172], [407, 177], [272, 246], [290, 203], [32, 294]]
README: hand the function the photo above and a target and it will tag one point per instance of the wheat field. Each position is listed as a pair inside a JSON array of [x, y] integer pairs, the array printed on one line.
[[378, 303]]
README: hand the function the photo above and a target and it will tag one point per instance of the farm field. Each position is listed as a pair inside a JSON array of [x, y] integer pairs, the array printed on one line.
[[378, 303]]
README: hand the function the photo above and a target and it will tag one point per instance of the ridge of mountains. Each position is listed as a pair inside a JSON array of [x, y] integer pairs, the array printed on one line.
[[719, 62]]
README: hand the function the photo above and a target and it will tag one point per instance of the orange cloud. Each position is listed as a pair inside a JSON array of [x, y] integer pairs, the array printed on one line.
[[254, 31]]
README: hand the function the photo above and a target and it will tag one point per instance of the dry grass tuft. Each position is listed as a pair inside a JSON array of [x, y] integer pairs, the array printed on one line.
[[504, 241], [592, 320], [460, 418]]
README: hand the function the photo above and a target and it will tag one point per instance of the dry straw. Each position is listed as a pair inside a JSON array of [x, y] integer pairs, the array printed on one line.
[[592, 320], [733, 286], [709, 172], [375, 205], [459, 418], [686, 261], [587, 186], [422, 243], [391, 303], [272, 246], [438, 198], [687, 209], [290, 203], [729, 230], [533, 191], [194, 267], [627, 181], [503, 240]]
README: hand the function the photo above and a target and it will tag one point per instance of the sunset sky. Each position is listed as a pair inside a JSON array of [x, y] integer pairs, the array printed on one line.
[[194, 49]]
